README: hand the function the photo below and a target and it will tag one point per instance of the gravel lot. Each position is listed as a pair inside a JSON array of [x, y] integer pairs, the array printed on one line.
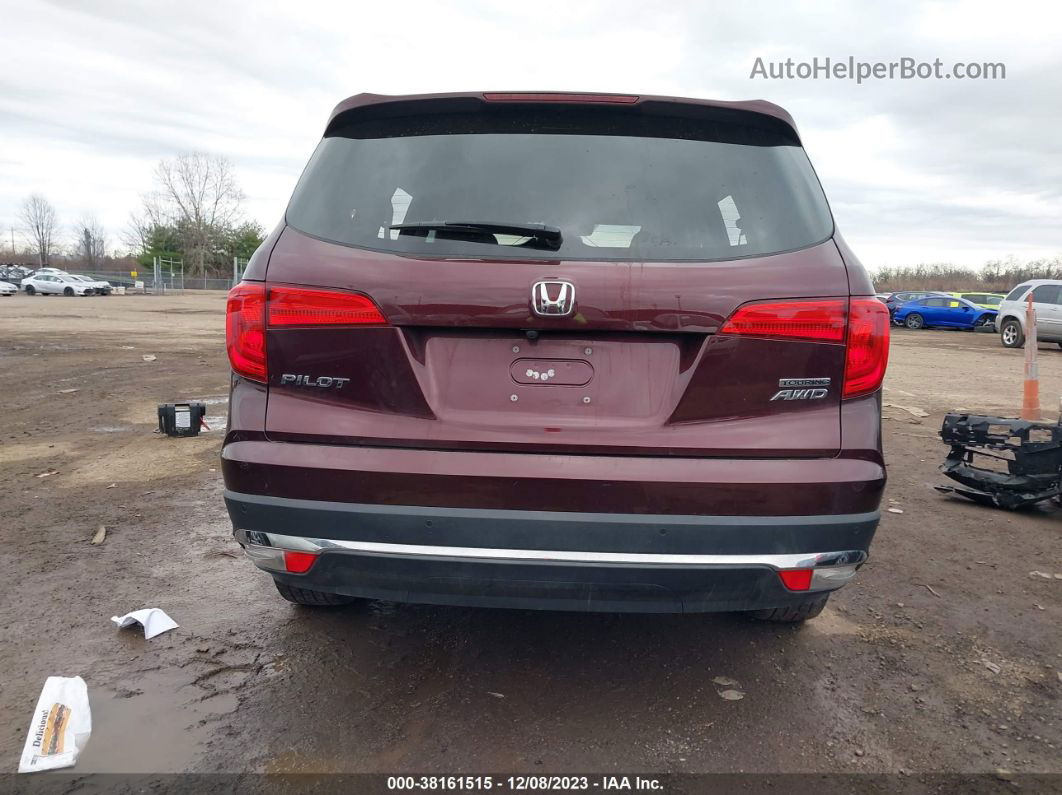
[[944, 655]]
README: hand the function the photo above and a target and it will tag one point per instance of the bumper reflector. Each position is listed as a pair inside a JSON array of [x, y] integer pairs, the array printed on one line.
[[298, 562], [830, 577], [796, 579]]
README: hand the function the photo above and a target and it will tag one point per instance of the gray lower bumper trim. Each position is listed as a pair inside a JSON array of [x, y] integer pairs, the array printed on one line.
[[582, 532]]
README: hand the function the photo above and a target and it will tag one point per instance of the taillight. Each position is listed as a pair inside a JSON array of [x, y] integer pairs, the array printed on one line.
[[861, 323], [867, 354], [821, 321], [298, 306], [245, 330], [249, 313]]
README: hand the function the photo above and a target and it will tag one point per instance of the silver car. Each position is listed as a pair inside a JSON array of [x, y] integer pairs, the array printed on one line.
[[101, 287], [55, 284], [1047, 303]]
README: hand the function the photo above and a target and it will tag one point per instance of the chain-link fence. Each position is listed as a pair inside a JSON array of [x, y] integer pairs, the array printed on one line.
[[168, 276], [190, 283]]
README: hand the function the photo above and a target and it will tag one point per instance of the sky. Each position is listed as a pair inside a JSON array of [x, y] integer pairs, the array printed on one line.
[[94, 93]]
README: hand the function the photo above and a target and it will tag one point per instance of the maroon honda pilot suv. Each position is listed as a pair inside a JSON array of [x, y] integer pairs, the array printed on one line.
[[561, 351]]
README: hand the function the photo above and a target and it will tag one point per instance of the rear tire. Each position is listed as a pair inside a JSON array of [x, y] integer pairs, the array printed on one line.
[[1011, 335], [304, 596], [30, 289], [914, 321], [794, 613]]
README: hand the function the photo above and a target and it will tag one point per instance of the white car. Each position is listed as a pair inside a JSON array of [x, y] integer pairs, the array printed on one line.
[[56, 284], [101, 287], [1047, 303], [7, 289]]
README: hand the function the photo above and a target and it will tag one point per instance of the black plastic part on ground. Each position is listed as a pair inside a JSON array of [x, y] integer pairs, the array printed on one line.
[[1027, 455]]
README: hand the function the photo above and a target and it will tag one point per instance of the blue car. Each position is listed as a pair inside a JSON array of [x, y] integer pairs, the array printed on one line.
[[942, 311]]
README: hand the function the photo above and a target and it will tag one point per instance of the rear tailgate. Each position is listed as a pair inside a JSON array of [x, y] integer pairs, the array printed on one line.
[[640, 368], [657, 220]]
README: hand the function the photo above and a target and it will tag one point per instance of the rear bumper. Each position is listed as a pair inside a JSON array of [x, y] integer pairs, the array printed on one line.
[[851, 483], [550, 559]]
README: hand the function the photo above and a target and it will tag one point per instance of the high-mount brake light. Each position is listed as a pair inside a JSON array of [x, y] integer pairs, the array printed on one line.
[[818, 320], [519, 96]]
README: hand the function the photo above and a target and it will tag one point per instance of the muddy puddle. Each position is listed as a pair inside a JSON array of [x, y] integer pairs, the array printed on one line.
[[158, 724]]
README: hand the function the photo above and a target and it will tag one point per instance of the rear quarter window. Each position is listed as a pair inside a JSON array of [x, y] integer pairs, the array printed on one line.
[[1046, 294], [618, 186]]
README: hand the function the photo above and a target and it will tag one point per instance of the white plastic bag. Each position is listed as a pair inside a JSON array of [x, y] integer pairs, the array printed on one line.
[[60, 728]]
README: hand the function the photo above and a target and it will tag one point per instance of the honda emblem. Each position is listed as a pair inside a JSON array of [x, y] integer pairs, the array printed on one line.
[[553, 298]]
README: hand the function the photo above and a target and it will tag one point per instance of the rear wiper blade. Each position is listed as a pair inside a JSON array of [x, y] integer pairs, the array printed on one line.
[[545, 236]]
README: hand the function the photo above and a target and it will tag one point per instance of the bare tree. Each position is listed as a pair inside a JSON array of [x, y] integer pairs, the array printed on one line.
[[137, 232], [91, 241], [200, 195], [39, 219]]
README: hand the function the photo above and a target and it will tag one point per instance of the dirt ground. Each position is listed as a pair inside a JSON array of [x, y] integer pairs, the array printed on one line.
[[944, 654]]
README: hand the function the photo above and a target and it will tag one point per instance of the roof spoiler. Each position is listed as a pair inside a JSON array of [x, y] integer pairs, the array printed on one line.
[[378, 106]]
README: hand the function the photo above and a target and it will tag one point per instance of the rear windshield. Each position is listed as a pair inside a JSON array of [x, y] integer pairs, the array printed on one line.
[[616, 187]]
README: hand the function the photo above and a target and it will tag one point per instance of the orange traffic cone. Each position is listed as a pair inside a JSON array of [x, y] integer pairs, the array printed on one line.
[[1030, 404]]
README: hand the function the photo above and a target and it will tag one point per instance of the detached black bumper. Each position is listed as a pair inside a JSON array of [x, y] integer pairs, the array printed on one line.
[[551, 560], [1031, 453]]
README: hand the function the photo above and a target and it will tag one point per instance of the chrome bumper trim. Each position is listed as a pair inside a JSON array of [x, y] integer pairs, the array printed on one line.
[[806, 560]]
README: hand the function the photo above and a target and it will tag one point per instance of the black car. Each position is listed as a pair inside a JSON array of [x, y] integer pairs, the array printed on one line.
[[13, 273], [896, 300]]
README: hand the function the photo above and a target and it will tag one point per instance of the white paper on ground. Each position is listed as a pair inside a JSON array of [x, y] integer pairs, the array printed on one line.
[[60, 727], [155, 621]]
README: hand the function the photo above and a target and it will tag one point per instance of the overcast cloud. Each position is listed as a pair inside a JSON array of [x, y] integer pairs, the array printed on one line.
[[94, 93]]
